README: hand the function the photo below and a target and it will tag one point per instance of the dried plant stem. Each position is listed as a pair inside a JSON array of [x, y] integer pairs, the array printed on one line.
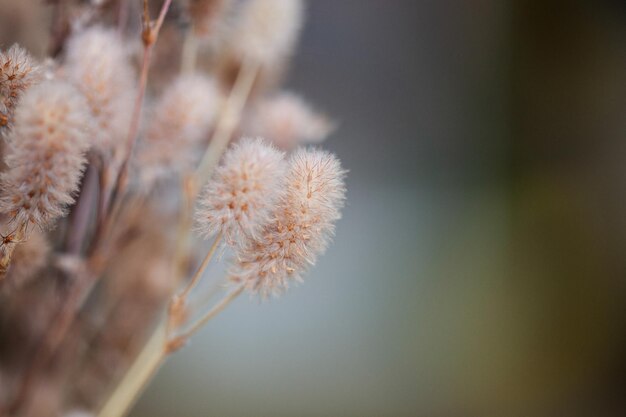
[[198, 275], [177, 308], [190, 53], [83, 211], [230, 297], [154, 354], [227, 122], [122, 15], [140, 373], [184, 225], [149, 36]]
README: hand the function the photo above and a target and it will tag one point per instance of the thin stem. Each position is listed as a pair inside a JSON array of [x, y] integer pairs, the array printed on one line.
[[154, 354], [227, 122], [82, 212], [231, 296], [190, 53], [122, 15], [177, 308], [184, 225], [205, 262], [140, 373], [149, 35]]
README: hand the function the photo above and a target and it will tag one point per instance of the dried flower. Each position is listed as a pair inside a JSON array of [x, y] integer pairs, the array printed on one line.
[[97, 62], [179, 123], [18, 71], [288, 121], [45, 155], [266, 31], [240, 197], [302, 226]]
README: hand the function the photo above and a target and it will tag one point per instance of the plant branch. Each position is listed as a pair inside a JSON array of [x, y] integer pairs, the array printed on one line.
[[227, 122]]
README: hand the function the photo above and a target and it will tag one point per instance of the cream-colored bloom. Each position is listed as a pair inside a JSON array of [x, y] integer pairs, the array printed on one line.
[[241, 195], [18, 71], [97, 62], [45, 155], [266, 30], [302, 226], [178, 124]]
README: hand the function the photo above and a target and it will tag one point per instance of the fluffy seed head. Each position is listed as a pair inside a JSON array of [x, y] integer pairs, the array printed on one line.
[[241, 195], [179, 123], [288, 121], [45, 154], [97, 62], [267, 30], [302, 225], [18, 71]]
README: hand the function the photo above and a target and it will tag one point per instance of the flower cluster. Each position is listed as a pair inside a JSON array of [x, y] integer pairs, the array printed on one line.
[[278, 217], [107, 145]]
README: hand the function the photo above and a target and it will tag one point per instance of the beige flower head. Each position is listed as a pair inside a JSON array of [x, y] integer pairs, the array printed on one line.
[[18, 71], [45, 155], [241, 195], [288, 121], [98, 63], [302, 226], [267, 30], [179, 123]]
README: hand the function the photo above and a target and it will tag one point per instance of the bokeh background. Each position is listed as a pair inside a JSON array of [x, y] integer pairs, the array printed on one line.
[[480, 267]]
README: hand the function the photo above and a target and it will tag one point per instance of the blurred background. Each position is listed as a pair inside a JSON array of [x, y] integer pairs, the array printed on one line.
[[480, 267]]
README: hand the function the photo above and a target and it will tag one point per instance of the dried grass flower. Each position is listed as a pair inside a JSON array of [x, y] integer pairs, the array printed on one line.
[[262, 37], [179, 123], [288, 121], [18, 71], [98, 63], [302, 225], [45, 155], [239, 198]]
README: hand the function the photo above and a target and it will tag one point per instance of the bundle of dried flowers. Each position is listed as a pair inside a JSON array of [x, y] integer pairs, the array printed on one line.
[[97, 273]]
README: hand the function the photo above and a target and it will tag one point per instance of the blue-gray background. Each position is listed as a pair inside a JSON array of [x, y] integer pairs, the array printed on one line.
[[479, 267]]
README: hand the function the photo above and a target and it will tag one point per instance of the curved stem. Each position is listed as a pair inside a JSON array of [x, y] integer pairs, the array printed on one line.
[[205, 262], [140, 373], [230, 297], [150, 34], [154, 354], [189, 54], [227, 122]]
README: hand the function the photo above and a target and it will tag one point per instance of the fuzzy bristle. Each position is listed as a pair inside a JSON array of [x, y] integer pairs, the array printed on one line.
[[301, 229], [18, 71], [45, 155], [179, 123], [240, 197], [97, 62]]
